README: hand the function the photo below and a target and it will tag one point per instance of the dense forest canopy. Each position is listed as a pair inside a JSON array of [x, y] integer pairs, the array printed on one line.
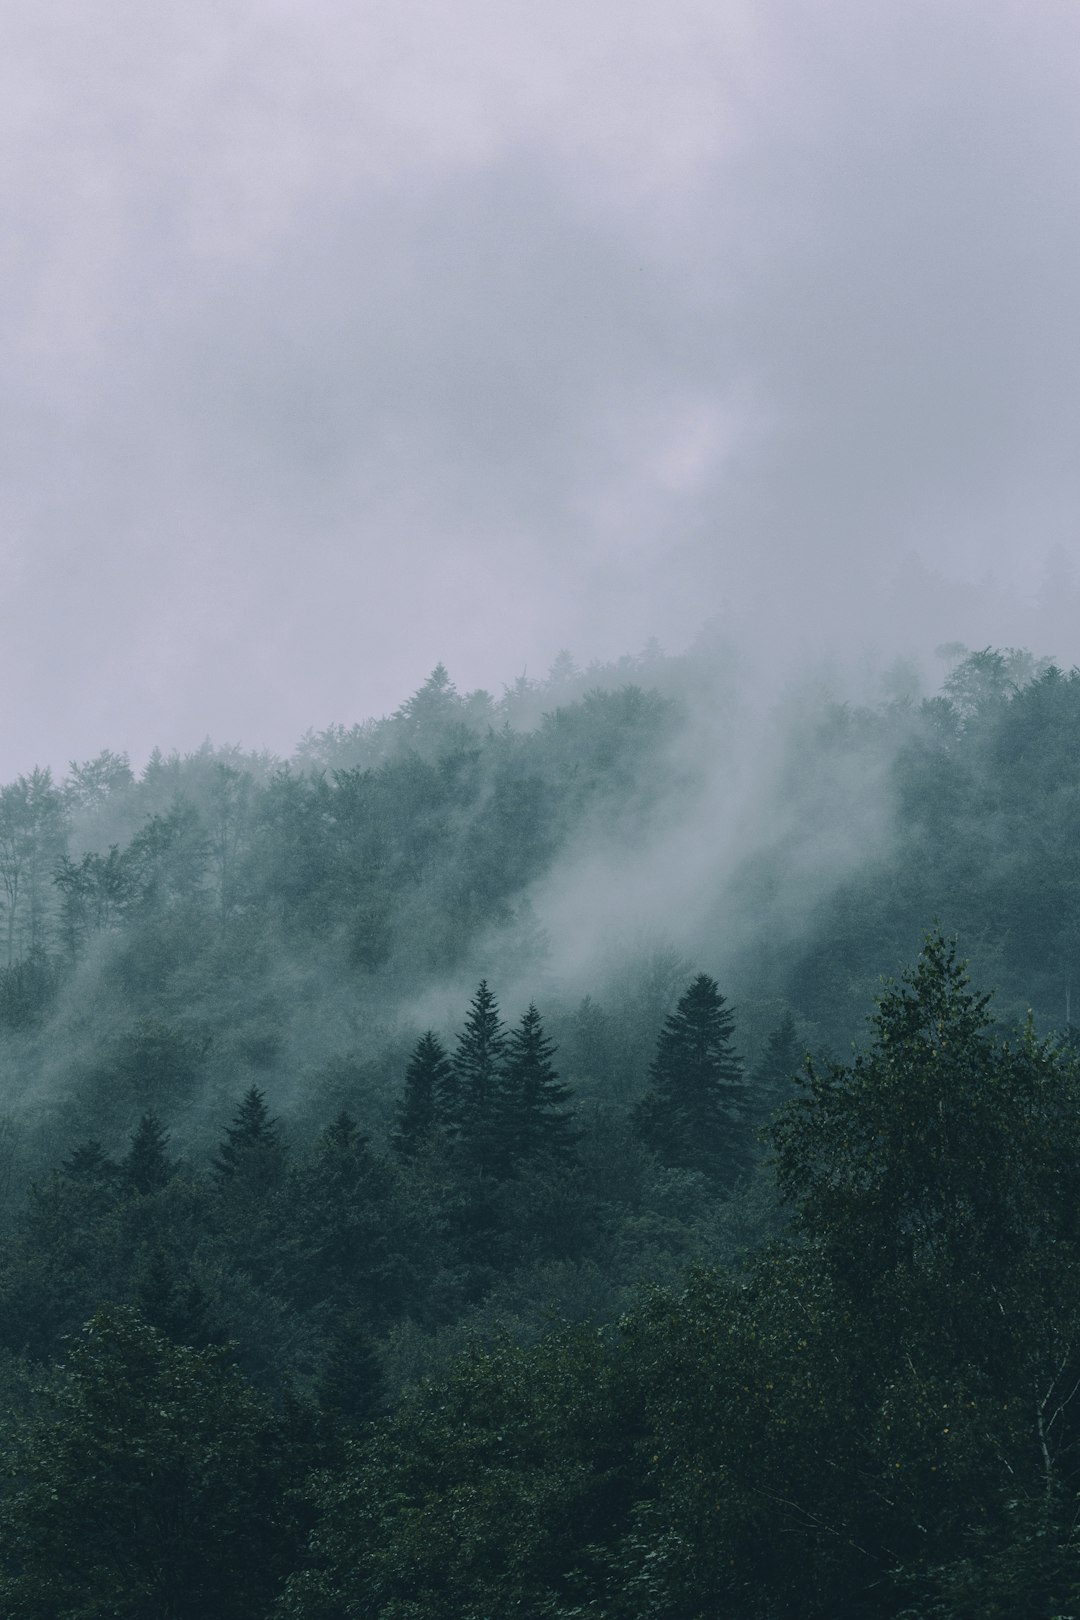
[[332, 1085]]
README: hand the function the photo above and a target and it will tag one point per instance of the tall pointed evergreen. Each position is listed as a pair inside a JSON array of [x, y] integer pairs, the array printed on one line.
[[147, 1167], [477, 1064], [532, 1125], [430, 1096], [695, 1114], [251, 1155]]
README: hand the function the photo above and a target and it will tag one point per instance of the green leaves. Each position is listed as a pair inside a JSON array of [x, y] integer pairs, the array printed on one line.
[[157, 1484], [695, 1114]]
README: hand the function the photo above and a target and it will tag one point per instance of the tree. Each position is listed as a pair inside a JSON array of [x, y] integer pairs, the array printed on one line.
[[431, 721], [251, 1157], [156, 1482], [477, 1064], [95, 894], [429, 1097], [483, 1494], [774, 1073], [89, 785], [350, 1384], [32, 838], [147, 1167], [941, 1154], [229, 814], [169, 856], [340, 1249], [176, 1304], [695, 1112], [531, 1124]]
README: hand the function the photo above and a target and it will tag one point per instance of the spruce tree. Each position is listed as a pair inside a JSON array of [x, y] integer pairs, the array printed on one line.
[[531, 1123], [89, 1162], [695, 1114], [147, 1167], [429, 1096], [477, 1069], [251, 1155]]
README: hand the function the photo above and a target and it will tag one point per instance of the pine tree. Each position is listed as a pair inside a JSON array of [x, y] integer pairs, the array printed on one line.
[[147, 1167], [251, 1155], [531, 1124], [695, 1114], [477, 1066], [89, 1162], [430, 1096]]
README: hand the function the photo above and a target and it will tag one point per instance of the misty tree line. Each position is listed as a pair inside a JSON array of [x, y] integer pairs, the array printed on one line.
[[395, 848], [490, 1169], [402, 862], [262, 1228], [872, 1413]]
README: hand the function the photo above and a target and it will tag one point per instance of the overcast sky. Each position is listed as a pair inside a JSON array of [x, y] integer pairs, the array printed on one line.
[[339, 338]]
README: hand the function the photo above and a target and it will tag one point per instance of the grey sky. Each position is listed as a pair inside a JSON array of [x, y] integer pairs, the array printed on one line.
[[341, 338]]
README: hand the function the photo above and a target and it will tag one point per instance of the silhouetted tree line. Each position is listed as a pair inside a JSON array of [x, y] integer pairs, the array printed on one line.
[[874, 1414]]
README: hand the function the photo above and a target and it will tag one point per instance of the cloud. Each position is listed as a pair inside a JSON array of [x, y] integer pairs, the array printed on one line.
[[340, 339]]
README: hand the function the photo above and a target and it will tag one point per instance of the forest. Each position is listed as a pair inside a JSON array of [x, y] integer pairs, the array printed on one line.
[[609, 1150]]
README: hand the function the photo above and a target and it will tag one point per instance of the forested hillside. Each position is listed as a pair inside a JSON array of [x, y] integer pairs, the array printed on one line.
[[436, 1179]]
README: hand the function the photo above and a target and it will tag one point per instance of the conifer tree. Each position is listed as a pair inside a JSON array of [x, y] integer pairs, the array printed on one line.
[[251, 1155], [147, 1167], [477, 1070], [531, 1122], [695, 1113], [89, 1162], [430, 1096]]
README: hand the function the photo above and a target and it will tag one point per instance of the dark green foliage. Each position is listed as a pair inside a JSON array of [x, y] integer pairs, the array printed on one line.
[[477, 1065], [156, 1484], [89, 1162], [773, 1079], [430, 1096], [250, 1159], [176, 1305], [344, 1231], [147, 1167], [695, 1114], [351, 1387], [479, 1496], [876, 1416], [875, 1428], [531, 1124]]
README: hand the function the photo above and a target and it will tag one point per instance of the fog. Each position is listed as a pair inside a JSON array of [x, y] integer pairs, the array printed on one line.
[[339, 340]]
